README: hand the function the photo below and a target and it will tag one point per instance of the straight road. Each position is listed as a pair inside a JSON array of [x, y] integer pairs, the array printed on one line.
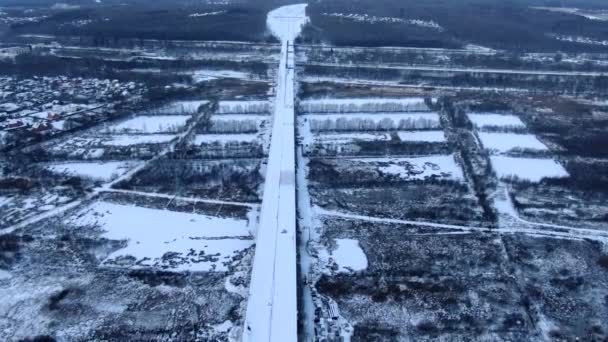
[[272, 313]]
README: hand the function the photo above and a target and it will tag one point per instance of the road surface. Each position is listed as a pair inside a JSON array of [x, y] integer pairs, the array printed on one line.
[[272, 305]]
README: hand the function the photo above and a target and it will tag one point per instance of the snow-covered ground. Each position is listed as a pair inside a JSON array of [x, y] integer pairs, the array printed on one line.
[[132, 140], [201, 139], [530, 169], [205, 75], [181, 107], [104, 171], [355, 105], [419, 168], [348, 256], [166, 239], [505, 142], [150, 124], [423, 136], [483, 120]]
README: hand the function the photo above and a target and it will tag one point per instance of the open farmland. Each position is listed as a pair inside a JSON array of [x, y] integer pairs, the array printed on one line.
[[147, 217], [383, 170], [433, 228]]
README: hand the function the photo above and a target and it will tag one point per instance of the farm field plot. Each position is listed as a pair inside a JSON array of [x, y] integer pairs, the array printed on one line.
[[204, 139], [393, 164], [179, 108], [165, 239], [19, 207], [457, 285], [220, 170], [505, 142], [225, 179], [437, 168], [104, 171], [417, 177], [543, 188], [108, 269], [489, 120], [150, 124], [527, 169], [174, 267], [447, 203]]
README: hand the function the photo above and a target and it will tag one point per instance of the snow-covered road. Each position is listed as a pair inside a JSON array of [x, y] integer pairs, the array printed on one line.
[[272, 305]]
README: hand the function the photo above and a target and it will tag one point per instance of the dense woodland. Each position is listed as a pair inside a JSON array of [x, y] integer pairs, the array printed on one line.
[[512, 25]]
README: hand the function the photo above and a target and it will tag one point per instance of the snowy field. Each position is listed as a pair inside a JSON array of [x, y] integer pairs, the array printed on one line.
[[483, 120], [243, 107], [530, 169], [355, 105], [420, 168], [505, 142], [425, 136], [201, 139], [166, 239], [132, 140], [367, 121], [103, 171], [205, 75], [150, 124], [119, 140], [181, 107]]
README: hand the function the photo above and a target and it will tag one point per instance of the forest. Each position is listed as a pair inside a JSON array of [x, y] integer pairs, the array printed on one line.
[[510, 25]]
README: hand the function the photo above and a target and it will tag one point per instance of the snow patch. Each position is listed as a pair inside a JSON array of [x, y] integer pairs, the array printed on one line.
[[420, 168], [167, 239], [132, 140], [424, 136], [349, 256], [150, 124], [483, 120], [104, 171], [530, 169], [5, 275], [505, 142]]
